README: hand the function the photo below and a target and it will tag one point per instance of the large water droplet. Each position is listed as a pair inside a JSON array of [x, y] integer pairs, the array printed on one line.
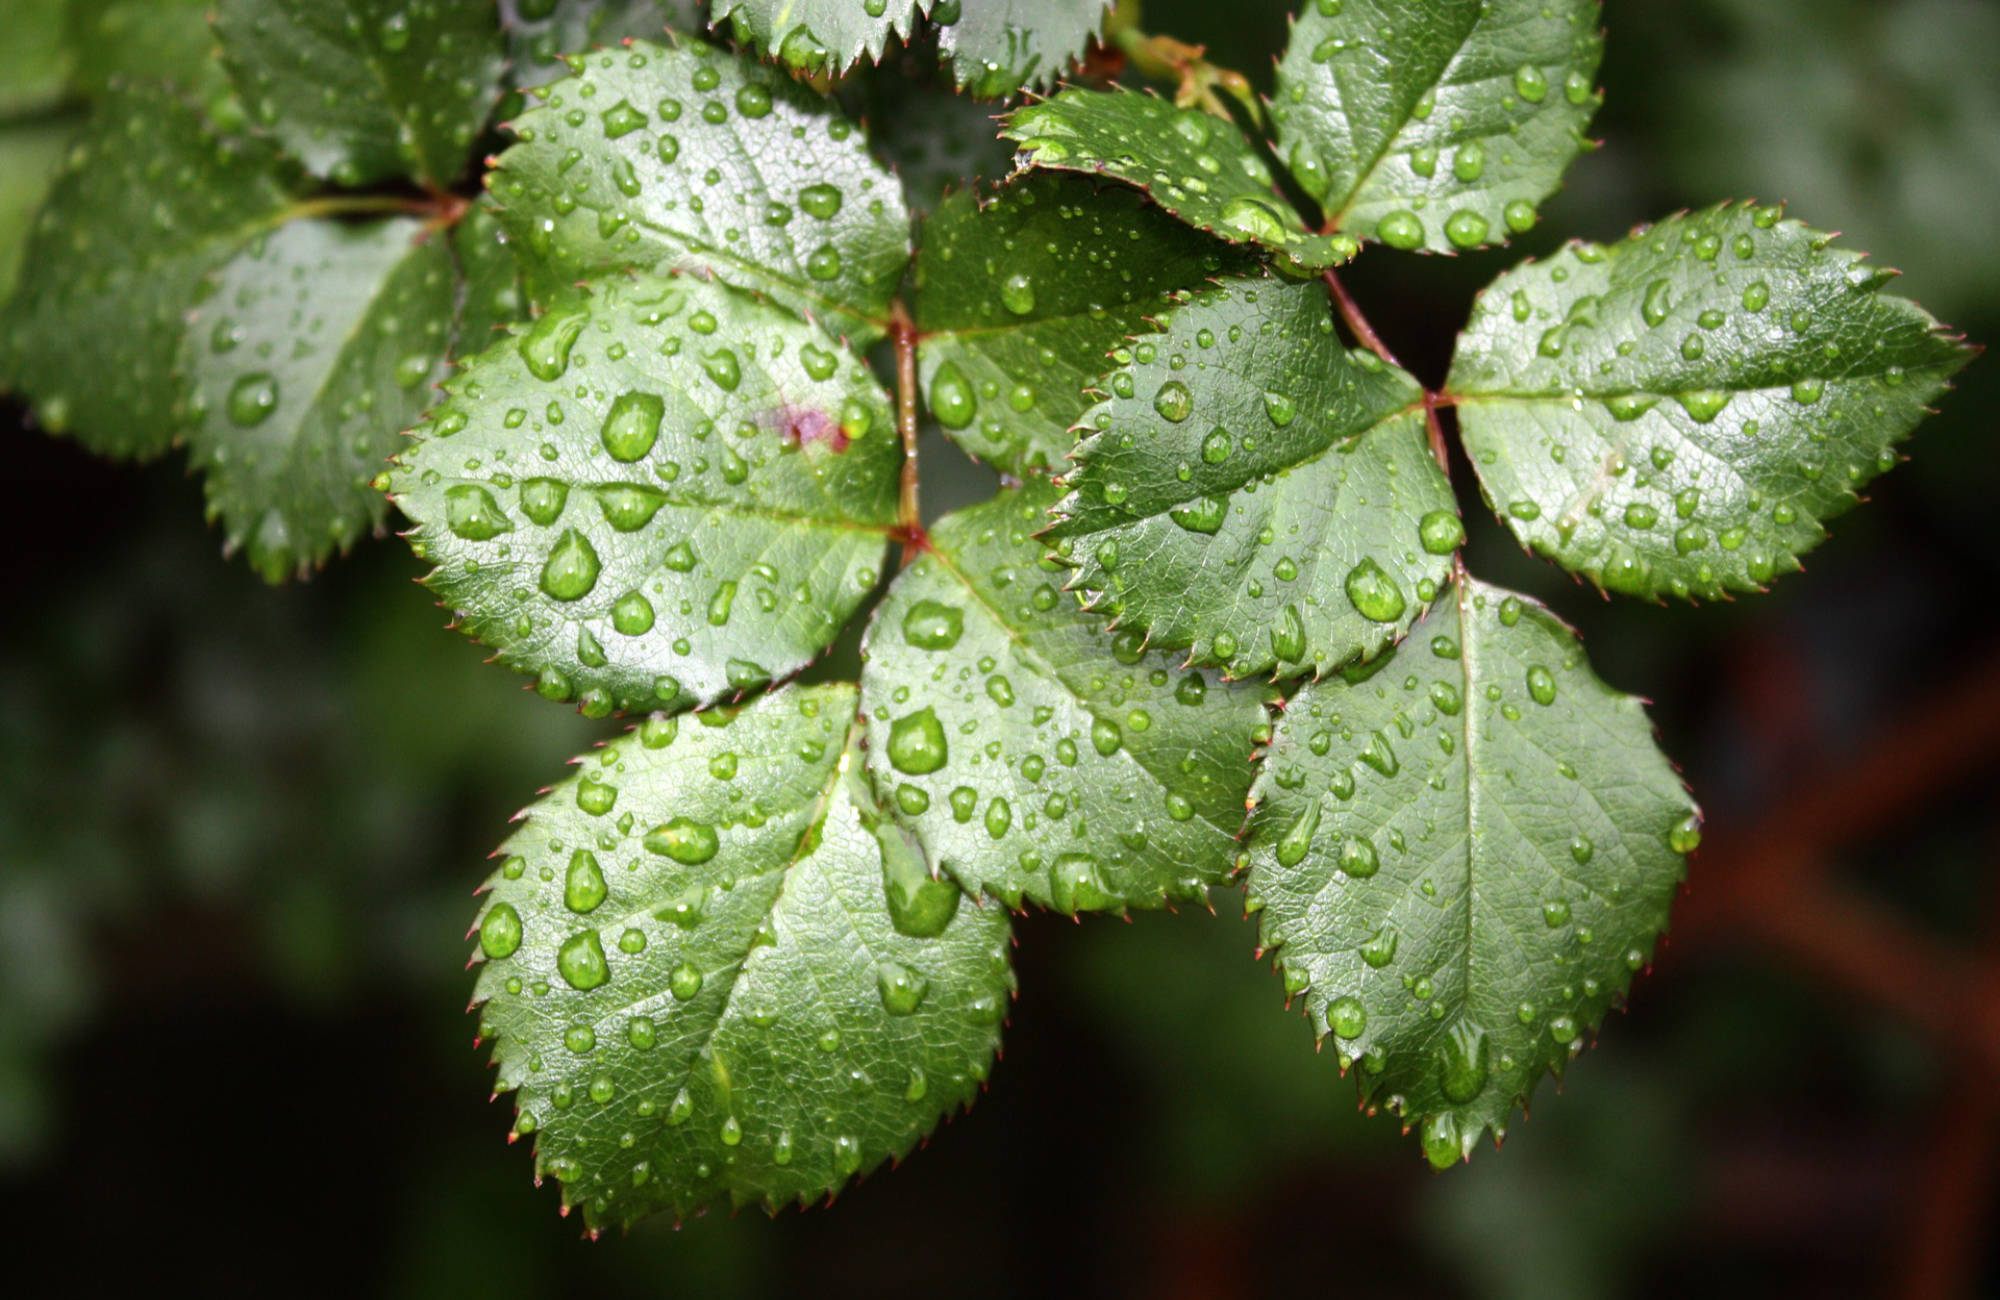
[[684, 840], [471, 512], [1462, 1069], [572, 567], [500, 931], [546, 346], [584, 887], [952, 400], [917, 743], [1346, 1017], [1017, 294], [933, 625], [633, 425], [1374, 593], [1173, 401], [580, 961], [252, 399], [901, 987]]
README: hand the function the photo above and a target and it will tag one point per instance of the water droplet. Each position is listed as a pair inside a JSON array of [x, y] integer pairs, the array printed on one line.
[[1685, 837], [252, 398], [1202, 515], [1440, 1140], [1215, 447], [1400, 229], [1374, 593], [632, 425], [723, 368], [546, 346], [1466, 228], [821, 200], [1704, 404], [917, 743], [580, 961], [1173, 401], [932, 625], [542, 499], [684, 981], [1292, 849], [1441, 532], [584, 888], [1346, 1017], [621, 119], [902, 988], [632, 615], [1358, 857], [572, 567], [1254, 219], [1531, 83], [1288, 636], [1017, 294], [500, 931], [823, 263], [952, 400], [1541, 685], [1462, 1069], [471, 512], [684, 840]]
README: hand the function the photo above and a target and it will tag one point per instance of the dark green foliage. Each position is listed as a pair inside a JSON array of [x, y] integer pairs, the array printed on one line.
[[1217, 619]]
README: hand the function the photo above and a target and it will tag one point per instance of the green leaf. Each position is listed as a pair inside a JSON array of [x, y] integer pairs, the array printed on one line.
[[664, 493], [363, 90], [166, 40], [36, 57], [29, 156], [1254, 492], [715, 976], [1439, 125], [1018, 300], [1196, 166], [318, 345], [614, 169], [1033, 753], [540, 32], [821, 36], [996, 47], [1461, 859], [496, 293], [150, 200], [1678, 413]]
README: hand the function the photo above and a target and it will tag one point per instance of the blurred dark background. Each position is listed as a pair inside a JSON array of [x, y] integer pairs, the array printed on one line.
[[240, 827]]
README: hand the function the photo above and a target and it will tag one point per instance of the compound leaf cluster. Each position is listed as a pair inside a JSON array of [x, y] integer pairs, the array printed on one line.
[[1216, 627]]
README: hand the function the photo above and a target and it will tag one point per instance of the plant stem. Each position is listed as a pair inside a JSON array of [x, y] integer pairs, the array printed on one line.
[[1435, 431], [1357, 324], [909, 518], [346, 205]]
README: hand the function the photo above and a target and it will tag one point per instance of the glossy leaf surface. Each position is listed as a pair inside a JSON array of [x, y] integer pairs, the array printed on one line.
[[686, 157], [1020, 299], [1036, 755], [1252, 491], [998, 46], [712, 989], [1678, 413], [662, 494], [1462, 858], [1196, 166], [1436, 124]]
